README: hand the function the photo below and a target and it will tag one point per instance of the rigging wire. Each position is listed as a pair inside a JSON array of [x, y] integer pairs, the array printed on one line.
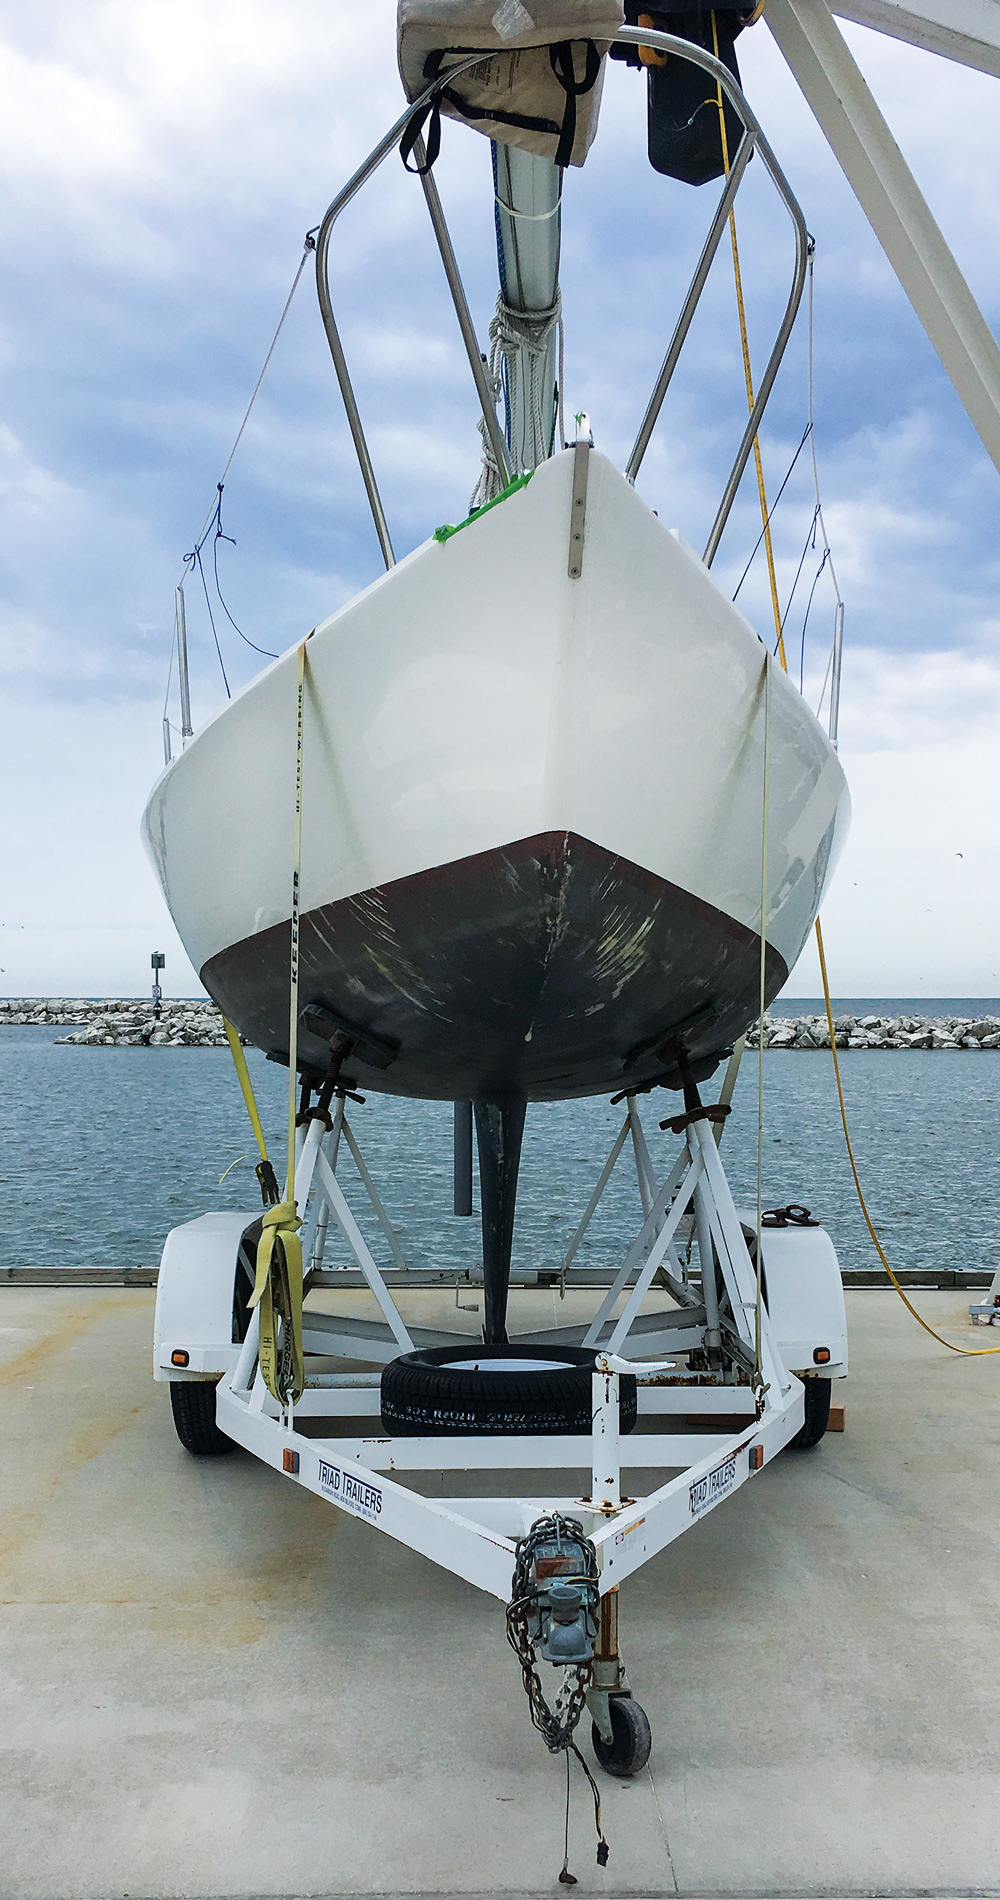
[[308, 247], [170, 673], [805, 622], [219, 536], [770, 517], [818, 520], [214, 516], [200, 566]]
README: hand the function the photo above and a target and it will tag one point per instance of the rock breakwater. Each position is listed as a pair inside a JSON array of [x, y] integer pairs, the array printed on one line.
[[125, 1022], [129, 1023], [879, 1032]]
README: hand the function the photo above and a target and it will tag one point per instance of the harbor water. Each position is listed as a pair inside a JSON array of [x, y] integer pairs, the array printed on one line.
[[102, 1150]]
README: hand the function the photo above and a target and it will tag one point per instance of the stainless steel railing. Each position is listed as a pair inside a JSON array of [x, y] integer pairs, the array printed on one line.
[[752, 140]]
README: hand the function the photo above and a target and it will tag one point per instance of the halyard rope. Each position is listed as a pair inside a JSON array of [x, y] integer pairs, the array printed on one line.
[[748, 372], [758, 1257], [765, 795]]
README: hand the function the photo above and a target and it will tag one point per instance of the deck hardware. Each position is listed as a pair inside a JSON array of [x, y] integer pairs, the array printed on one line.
[[578, 507]]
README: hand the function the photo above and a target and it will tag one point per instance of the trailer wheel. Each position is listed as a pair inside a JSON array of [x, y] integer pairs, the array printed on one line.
[[192, 1402], [246, 1274], [817, 1414], [478, 1388], [632, 1739]]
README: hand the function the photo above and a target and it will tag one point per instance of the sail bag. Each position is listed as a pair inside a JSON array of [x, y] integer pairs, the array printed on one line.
[[538, 87]]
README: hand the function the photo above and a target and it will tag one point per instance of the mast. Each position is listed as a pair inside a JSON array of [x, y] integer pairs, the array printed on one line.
[[525, 330]]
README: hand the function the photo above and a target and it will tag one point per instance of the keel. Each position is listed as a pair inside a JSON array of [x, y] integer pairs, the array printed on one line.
[[499, 1128]]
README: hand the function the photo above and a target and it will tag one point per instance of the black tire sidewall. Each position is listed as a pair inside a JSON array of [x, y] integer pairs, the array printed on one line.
[[424, 1394], [817, 1414]]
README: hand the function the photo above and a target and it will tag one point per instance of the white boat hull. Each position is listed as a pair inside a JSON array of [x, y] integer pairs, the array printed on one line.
[[533, 812]]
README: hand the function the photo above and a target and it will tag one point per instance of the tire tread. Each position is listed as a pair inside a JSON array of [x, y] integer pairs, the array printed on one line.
[[192, 1402]]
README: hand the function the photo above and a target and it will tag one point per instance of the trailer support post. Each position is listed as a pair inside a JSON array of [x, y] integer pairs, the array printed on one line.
[[605, 1492]]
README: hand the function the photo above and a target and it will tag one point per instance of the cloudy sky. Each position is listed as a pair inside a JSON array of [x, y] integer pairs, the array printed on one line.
[[163, 160]]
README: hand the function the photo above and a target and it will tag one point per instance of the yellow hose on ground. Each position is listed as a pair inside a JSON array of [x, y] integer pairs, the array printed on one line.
[[966, 1352]]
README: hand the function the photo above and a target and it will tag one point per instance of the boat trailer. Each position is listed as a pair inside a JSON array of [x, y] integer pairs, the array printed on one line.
[[694, 1372]]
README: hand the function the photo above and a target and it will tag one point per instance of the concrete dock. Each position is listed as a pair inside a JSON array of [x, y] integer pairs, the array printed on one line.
[[213, 1684]]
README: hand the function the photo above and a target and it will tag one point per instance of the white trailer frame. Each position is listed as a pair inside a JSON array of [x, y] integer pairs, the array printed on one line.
[[475, 1537]]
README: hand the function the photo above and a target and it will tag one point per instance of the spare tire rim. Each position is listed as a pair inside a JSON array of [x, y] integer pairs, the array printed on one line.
[[506, 1365]]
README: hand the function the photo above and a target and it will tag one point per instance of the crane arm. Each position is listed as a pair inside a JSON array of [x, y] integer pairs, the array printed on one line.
[[835, 88], [964, 30]]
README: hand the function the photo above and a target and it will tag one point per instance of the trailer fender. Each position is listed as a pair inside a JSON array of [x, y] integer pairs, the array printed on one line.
[[805, 1300], [194, 1297]]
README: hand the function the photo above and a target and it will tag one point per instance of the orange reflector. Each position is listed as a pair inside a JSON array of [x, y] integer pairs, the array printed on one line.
[[180, 1357], [821, 1357], [756, 1457], [650, 55], [289, 1460]]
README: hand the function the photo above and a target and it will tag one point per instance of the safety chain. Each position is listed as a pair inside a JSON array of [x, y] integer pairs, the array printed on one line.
[[556, 1722]]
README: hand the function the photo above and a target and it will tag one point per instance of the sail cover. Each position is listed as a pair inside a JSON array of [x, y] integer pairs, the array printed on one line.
[[540, 87]]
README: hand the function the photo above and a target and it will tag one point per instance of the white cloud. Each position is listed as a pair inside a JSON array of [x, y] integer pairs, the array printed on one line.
[[165, 158]]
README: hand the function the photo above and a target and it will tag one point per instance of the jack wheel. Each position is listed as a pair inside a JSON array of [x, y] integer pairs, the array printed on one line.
[[817, 1415], [192, 1402], [632, 1739]]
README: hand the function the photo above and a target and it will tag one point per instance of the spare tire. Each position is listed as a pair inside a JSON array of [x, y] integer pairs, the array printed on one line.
[[478, 1388]]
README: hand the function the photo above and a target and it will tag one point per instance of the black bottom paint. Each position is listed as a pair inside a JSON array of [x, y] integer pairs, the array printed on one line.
[[546, 969]]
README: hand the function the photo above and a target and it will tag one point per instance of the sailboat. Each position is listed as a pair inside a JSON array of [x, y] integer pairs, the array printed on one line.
[[543, 754]]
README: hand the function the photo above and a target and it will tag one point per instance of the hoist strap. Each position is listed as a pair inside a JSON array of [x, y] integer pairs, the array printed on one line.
[[293, 959], [278, 1286], [264, 1171], [243, 1074]]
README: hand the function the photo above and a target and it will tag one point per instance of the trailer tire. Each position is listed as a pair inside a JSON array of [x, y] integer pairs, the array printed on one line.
[[633, 1739], [192, 1402], [817, 1414], [450, 1389]]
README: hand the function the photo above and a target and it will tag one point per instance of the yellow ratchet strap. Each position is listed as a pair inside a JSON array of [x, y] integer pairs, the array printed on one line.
[[278, 1293]]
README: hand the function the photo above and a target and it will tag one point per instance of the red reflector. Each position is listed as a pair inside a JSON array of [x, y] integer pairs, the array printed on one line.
[[289, 1460], [821, 1357], [756, 1457], [180, 1357]]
